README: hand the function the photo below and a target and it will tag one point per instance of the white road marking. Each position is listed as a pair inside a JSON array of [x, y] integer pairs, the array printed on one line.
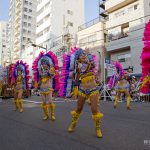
[[55, 101]]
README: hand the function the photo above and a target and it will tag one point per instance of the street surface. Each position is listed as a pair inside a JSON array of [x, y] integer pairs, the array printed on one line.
[[122, 129]]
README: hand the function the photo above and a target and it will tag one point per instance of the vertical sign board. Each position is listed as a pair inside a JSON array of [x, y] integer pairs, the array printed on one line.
[[109, 66]]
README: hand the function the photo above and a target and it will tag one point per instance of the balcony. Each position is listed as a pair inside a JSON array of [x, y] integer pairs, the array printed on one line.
[[119, 41], [113, 5], [17, 33], [17, 18], [112, 37], [18, 4], [89, 24], [43, 26], [18, 11], [17, 25], [18, 0], [16, 41]]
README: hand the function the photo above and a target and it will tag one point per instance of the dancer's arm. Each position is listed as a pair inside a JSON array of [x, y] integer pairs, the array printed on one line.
[[52, 72]]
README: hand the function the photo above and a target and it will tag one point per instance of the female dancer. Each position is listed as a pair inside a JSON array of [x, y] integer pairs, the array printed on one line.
[[20, 79], [45, 69], [82, 68], [120, 82], [145, 64]]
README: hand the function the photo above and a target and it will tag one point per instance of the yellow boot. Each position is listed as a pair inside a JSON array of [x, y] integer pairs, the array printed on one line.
[[45, 109], [75, 117], [129, 103], [52, 108], [96, 117], [21, 105], [16, 104], [116, 101]]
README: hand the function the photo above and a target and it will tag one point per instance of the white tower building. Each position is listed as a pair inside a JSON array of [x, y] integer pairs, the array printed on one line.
[[4, 53], [56, 18], [22, 26]]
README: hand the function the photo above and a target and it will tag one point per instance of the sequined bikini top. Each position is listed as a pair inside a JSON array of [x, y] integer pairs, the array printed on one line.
[[19, 79], [46, 75]]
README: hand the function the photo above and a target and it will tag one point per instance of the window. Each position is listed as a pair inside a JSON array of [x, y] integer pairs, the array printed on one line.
[[30, 17], [29, 24], [30, 10], [25, 16], [124, 57], [25, 24], [25, 9], [70, 24], [23, 46], [29, 40], [30, 3], [24, 30], [24, 38], [26, 2], [29, 31], [70, 12], [136, 6]]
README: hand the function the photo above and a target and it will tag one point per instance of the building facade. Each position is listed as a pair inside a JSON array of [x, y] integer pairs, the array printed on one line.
[[4, 51], [57, 18], [91, 36], [22, 26], [125, 26]]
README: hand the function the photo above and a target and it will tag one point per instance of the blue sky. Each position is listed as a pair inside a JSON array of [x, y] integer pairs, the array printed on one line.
[[91, 9]]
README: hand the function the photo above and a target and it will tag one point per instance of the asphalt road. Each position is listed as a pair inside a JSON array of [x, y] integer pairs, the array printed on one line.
[[122, 129]]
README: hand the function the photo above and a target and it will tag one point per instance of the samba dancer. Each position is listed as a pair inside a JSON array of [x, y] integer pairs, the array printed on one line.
[[45, 69]]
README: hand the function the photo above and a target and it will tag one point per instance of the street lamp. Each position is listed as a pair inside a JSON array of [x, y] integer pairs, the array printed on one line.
[[34, 45]]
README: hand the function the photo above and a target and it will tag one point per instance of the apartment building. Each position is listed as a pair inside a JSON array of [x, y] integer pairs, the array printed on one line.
[[22, 26], [56, 18], [4, 52], [125, 26]]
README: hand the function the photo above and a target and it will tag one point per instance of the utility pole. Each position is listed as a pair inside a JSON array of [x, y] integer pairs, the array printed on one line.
[[67, 37], [67, 41]]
